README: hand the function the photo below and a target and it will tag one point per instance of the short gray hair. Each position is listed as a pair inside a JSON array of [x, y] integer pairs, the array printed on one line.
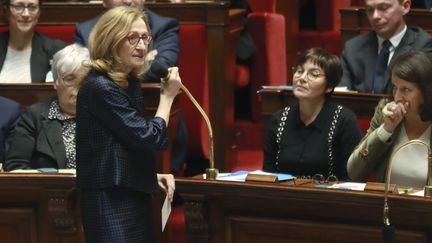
[[69, 59]]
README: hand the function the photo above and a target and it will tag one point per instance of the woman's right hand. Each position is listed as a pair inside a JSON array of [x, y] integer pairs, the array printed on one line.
[[393, 114], [171, 87]]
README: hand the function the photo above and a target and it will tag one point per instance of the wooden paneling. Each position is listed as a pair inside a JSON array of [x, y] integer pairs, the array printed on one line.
[[218, 211], [39, 208]]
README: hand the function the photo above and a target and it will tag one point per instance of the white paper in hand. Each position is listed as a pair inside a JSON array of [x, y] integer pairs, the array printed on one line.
[[166, 211]]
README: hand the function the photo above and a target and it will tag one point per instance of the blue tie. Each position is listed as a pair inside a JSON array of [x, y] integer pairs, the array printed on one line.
[[381, 68]]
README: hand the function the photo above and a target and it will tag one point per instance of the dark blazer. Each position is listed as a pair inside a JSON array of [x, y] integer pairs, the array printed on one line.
[[165, 33], [10, 112], [360, 54], [115, 143], [37, 141], [43, 49]]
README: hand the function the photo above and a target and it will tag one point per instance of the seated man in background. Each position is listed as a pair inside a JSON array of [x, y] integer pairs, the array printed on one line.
[[165, 39], [10, 112], [365, 57], [25, 54], [45, 135]]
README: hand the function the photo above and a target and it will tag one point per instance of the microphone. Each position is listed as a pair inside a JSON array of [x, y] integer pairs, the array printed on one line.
[[161, 71]]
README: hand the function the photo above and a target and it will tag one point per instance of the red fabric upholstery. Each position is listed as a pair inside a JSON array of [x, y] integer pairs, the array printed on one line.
[[193, 71], [61, 32], [263, 5], [269, 62], [328, 34], [242, 76]]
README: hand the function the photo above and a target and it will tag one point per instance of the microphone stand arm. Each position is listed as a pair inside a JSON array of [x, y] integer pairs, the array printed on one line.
[[212, 172]]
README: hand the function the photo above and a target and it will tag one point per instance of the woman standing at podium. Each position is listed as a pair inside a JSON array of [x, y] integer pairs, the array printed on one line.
[[407, 115], [316, 136], [116, 144]]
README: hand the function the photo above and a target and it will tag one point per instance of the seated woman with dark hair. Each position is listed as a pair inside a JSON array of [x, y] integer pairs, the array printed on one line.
[[45, 135], [316, 136], [407, 115], [25, 54]]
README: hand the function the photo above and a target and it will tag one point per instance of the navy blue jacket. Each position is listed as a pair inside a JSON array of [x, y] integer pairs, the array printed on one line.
[[165, 33], [116, 144], [10, 112]]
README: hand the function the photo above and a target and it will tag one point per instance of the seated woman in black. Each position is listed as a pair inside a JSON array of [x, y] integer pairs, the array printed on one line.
[[316, 136]]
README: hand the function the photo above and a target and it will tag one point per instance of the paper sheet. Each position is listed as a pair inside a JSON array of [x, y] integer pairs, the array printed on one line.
[[166, 211]]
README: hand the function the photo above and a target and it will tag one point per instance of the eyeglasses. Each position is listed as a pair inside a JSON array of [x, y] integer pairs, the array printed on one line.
[[135, 38], [311, 75], [69, 80], [320, 179], [19, 8]]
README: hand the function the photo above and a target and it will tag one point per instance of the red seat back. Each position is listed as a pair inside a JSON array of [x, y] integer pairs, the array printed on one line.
[[263, 5], [64, 32], [268, 65], [194, 75]]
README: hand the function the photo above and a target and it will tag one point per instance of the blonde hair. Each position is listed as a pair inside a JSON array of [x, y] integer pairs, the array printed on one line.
[[105, 39]]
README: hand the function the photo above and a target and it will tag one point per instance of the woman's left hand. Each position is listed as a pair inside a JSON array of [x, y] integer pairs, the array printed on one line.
[[167, 183]]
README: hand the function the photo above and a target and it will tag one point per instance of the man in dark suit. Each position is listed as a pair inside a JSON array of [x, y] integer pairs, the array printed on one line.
[[10, 112], [360, 55], [164, 31]]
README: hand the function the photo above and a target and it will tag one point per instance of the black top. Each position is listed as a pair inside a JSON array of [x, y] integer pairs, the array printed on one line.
[[305, 149]]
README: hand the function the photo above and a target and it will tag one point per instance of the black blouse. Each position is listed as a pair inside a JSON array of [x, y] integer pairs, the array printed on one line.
[[305, 149]]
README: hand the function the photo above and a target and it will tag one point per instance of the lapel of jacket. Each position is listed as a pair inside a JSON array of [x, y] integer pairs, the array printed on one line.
[[4, 41], [53, 131], [38, 55], [371, 53], [403, 47]]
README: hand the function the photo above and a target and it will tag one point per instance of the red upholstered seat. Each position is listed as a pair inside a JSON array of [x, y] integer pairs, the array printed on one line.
[[194, 74], [269, 62], [328, 34], [263, 5], [64, 32]]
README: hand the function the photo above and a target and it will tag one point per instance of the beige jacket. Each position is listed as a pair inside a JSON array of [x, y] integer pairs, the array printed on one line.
[[372, 155]]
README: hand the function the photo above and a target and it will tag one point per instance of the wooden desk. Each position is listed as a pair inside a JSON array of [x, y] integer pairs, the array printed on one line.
[[362, 104], [39, 208], [45, 208], [27, 94], [238, 212], [354, 21]]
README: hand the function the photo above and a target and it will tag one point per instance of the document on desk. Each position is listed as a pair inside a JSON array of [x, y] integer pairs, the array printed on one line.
[[166, 211], [241, 175]]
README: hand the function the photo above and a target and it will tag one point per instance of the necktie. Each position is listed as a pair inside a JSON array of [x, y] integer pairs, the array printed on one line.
[[381, 67]]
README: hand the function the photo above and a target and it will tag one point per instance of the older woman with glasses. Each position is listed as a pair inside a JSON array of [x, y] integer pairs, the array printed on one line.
[[315, 137], [25, 54], [45, 135]]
